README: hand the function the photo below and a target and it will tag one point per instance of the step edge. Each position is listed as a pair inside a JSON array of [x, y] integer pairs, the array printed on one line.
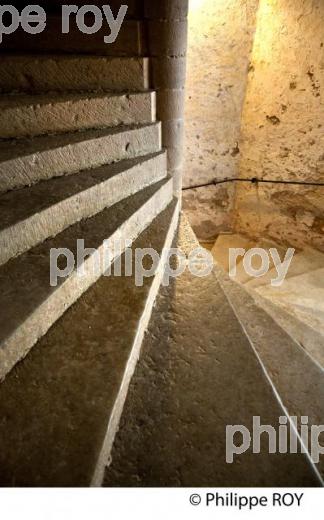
[[312, 465], [18, 179], [22, 336], [13, 237]]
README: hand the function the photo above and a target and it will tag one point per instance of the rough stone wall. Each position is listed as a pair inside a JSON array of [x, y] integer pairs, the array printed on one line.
[[220, 41], [283, 125]]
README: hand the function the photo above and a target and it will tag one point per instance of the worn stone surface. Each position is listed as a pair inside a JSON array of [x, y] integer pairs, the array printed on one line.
[[301, 263], [56, 404], [302, 295], [220, 41], [309, 339], [167, 37], [70, 73], [298, 380], [170, 104], [25, 162], [282, 127], [28, 116], [183, 395], [168, 73], [31, 305], [222, 246], [30, 215], [130, 41]]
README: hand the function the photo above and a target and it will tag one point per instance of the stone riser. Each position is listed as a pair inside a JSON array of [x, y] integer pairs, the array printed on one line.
[[37, 305], [130, 41], [26, 163], [29, 116], [135, 7], [72, 73], [48, 214]]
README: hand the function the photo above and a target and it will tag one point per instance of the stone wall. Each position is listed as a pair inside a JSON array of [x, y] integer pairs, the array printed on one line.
[[220, 41], [283, 125]]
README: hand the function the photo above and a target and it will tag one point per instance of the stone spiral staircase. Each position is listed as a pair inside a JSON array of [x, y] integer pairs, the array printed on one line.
[[284, 324], [297, 303], [80, 158]]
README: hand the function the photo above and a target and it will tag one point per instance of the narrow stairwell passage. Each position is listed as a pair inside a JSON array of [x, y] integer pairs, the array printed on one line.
[[197, 374]]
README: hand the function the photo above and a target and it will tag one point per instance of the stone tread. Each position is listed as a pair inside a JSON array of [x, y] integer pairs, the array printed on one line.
[[298, 380], [189, 384], [55, 405], [53, 72], [306, 290], [26, 161], [33, 115], [243, 277], [303, 262], [30, 215], [309, 339], [31, 305], [302, 296], [222, 245]]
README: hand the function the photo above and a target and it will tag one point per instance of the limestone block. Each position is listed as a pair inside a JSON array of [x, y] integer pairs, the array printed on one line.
[[25, 116], [170, 104], [176, 175], [167, 37], [70, 73], [168, 73], [175, 157], [173, 133], [28, 162]]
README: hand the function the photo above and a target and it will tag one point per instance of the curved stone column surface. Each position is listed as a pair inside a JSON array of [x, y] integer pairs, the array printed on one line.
[[167, 40]]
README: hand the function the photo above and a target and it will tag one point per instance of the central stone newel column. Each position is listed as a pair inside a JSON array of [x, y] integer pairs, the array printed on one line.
[[167, 40]]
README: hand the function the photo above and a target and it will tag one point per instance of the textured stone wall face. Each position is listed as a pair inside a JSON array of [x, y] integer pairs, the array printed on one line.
[[220, 42], [283, 125]]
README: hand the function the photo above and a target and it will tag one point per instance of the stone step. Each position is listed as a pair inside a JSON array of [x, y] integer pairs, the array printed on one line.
[[135, 7], [29, 116], [31, 300], [243, 277], [302, 296], [303, 262], [224, 243], [308, 338], [37, 73], [25, 162], [31, 215], [74, 382], [131, 40], [297, 379], [198, 374]]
